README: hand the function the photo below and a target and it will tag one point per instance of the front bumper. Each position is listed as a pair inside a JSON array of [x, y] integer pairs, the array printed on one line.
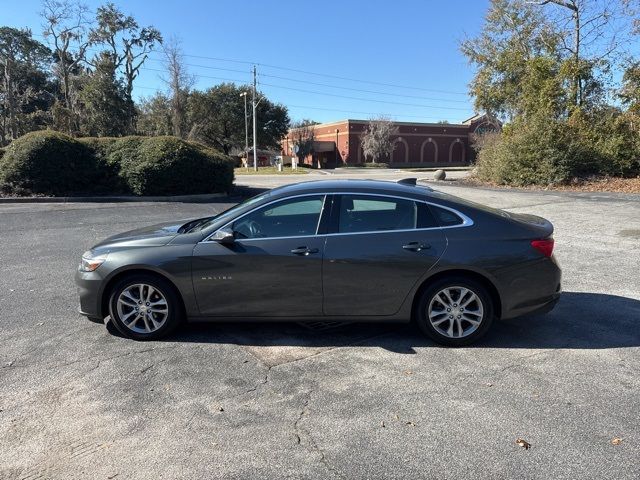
[[89, 286]]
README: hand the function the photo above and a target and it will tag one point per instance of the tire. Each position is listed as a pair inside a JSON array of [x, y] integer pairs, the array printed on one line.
[[457, 326], [157, 316]]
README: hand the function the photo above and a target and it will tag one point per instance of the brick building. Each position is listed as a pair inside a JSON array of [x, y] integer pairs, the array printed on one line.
[[416, 144]]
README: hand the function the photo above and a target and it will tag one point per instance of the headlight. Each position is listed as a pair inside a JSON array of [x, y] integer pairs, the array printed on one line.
[[90, 261]]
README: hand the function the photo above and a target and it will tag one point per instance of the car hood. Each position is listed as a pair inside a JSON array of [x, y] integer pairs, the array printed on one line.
[[154, 235]]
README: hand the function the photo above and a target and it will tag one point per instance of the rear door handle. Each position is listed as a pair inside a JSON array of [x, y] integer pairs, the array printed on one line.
[[416, 246], [304, 251]]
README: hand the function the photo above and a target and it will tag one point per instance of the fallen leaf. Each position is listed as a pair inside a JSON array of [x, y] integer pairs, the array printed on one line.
[[408, 372], [616, 441], [523, 443]]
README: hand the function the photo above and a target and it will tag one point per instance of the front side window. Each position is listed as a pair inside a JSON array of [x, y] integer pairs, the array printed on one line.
[[368, 213], [288, 218]]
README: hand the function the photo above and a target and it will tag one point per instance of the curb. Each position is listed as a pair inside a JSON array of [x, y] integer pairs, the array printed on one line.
[[201, 198], [594, 195]]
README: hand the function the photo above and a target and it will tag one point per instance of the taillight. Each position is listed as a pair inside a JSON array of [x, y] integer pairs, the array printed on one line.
[[545, 247]]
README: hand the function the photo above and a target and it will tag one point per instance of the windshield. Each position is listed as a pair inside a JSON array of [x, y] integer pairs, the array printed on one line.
[[228, 213]]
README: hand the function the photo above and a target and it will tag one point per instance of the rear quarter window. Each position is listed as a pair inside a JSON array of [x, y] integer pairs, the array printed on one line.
[[446, 218]]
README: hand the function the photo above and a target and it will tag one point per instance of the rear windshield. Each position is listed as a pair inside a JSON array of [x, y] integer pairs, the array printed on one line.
[[469, 203]]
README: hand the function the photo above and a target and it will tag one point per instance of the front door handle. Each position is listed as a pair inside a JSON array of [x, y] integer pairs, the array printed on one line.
[[416, 246], [304, 251]]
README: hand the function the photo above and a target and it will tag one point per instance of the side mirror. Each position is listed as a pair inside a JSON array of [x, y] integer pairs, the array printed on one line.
[[224, 236]]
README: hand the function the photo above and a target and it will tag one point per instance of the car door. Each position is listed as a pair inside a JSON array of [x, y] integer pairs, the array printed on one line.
[[377, 249], [273, 268]]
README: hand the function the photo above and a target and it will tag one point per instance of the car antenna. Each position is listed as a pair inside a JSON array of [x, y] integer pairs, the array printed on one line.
[[408, 181], [413, 182]]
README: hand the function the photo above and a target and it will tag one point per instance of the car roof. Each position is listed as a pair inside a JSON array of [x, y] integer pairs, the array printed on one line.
[[350, 185]]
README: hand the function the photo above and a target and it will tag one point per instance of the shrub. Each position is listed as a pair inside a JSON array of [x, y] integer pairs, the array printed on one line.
[[110, 154], [543, 151], [169, 166], [47, 162], [538, 152], [367, 165], [52, 163]]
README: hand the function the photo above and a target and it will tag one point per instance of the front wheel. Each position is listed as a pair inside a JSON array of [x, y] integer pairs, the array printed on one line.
[[145, 307], [455, 311]]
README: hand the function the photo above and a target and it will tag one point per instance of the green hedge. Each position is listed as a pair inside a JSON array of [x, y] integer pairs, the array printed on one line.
[[165, 165], [52, 163], [542, 151], [367, 165], [48, 163]]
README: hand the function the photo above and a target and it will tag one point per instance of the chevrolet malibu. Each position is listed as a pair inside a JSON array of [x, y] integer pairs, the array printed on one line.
[[345, 250]]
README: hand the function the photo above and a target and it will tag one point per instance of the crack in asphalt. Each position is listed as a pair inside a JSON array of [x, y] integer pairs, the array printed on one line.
[[11, 363], [310, 444], [79, 375], [518, 361]]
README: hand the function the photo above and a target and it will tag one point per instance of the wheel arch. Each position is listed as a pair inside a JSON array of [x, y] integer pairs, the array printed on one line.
[[460, 272], [121, 274]]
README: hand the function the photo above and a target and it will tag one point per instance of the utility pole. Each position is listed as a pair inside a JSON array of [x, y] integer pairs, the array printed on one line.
[[254, 104], [246, 129]]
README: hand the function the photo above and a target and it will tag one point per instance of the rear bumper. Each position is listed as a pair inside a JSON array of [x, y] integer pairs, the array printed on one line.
[[534, 288], [536, 309]]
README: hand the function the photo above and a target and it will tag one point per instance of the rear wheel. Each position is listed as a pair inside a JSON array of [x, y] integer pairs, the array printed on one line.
[[145, 307], [455, 311]]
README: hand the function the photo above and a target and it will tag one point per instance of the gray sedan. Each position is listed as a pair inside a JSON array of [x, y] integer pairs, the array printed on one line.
[[332, 250]]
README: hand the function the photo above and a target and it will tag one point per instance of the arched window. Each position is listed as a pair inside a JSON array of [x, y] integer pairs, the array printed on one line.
[[400, 152], [429, 151], [456, 151]]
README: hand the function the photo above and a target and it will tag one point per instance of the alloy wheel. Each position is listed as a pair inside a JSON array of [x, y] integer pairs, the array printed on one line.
[[142, 308], [455, 312]]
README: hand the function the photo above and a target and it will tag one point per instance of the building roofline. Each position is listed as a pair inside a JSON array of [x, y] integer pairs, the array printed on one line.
[[422, 124]]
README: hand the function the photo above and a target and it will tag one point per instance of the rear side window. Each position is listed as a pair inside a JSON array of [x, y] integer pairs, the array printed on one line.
[[446, 218], [367, 213]]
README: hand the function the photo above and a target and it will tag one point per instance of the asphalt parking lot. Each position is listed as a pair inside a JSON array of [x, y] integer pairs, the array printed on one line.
[[320, 401]]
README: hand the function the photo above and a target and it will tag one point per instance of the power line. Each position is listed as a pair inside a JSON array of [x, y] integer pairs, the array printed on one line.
[[377, 92], [305, 72], [310, 107], [361, 99], [362, 113], [326, 75], [361, 90]]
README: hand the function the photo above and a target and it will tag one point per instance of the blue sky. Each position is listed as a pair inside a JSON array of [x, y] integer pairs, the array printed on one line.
[[393, 45]]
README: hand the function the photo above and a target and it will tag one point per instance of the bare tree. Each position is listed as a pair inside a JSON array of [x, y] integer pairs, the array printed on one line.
[[376, 141], [22, 64], [180, 83], [65, 27], [592, 30], [127, 43], [303, 136]]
